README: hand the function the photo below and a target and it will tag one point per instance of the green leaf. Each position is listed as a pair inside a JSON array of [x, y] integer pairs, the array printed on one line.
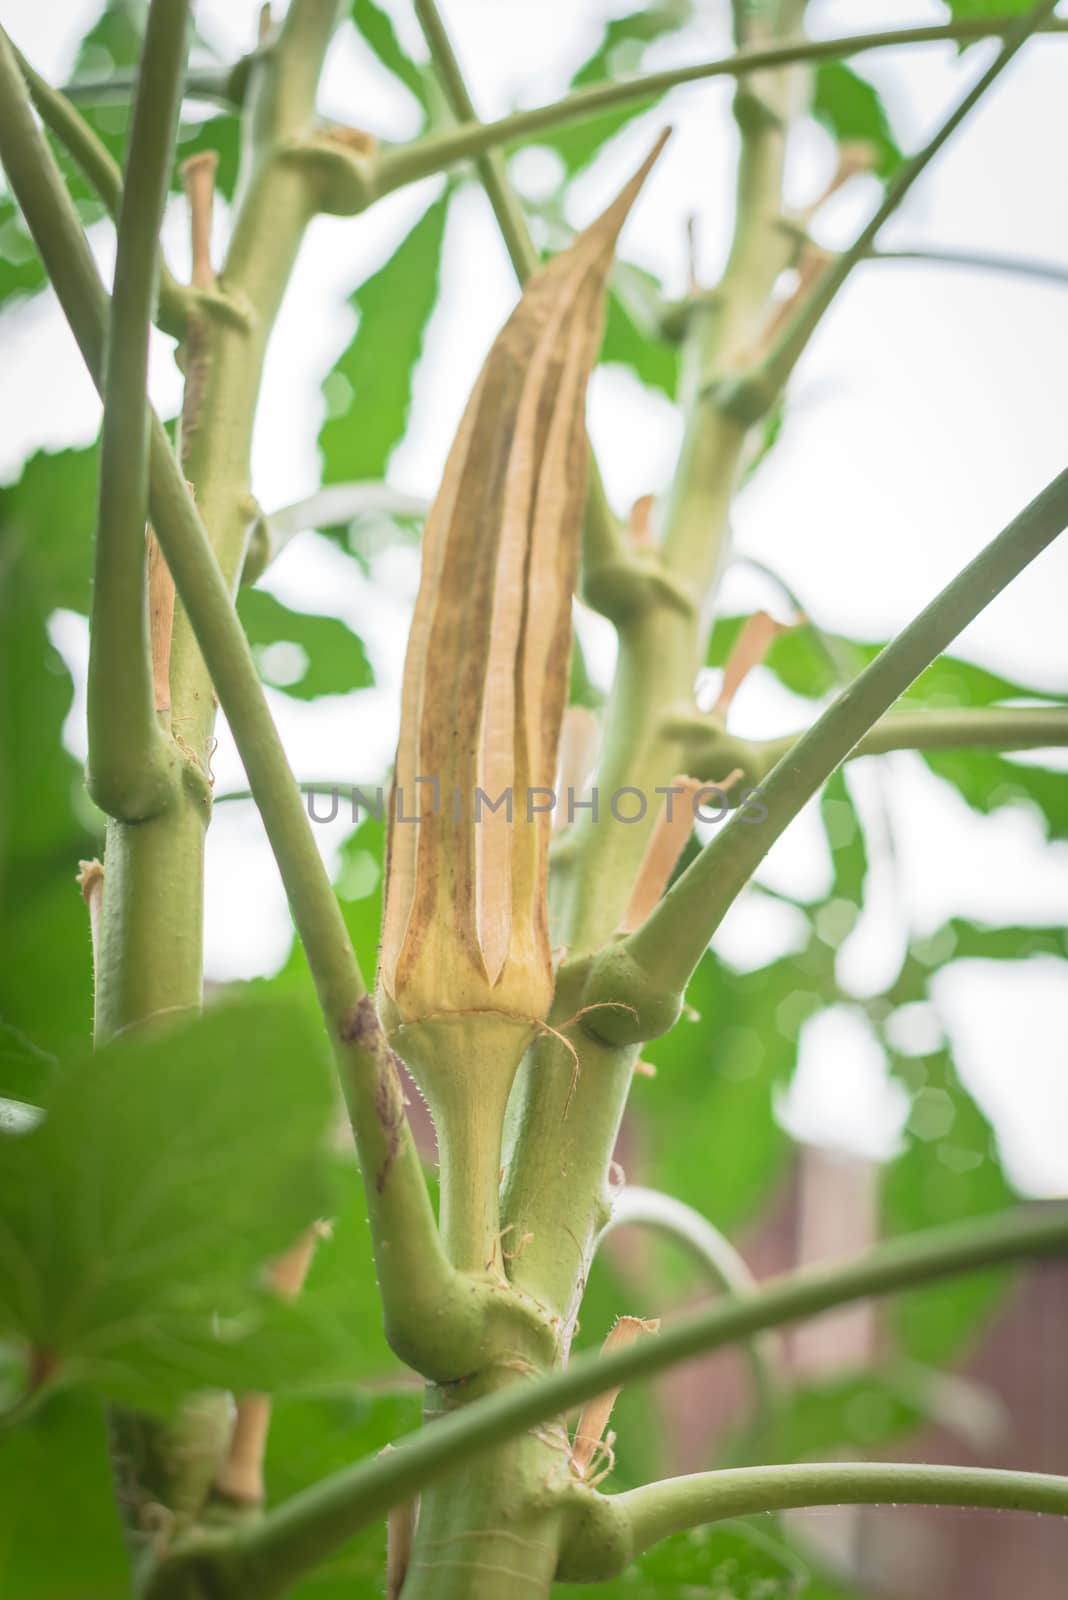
[[725, 1561], [962, 940], [55, 1477], [376, 28], [707, 1118], [312, 1437], [21, 269], [619, 55], [845, 838], [25, 1071], [653, 360], [978, 941], [47, 521], [851, 109], [113, 42], [850, 1412], [304, 654], [375, 371], [168, 1168], [804, 661], [801, 662], [988, 781], [948, 1171], [46, 823], [976, 10], [221, 133]]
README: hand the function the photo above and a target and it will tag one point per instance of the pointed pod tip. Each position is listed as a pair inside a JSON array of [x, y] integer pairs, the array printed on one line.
[[608, 225], [649, 162]]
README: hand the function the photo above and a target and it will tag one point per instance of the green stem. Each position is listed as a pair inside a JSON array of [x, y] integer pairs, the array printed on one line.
[[306, 1529], [713, 751], [507, 207], [664, 1508], [103, 172], [634, 1521], [967, 727], [980, 261], [228, 331], [226, 85], [784, 355], [132, 758], [142, 972], [436, 152], [215, 84], [673, 939], [565, 1120]]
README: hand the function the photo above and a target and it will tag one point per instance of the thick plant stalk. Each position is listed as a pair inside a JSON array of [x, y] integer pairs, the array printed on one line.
[[133, 763]]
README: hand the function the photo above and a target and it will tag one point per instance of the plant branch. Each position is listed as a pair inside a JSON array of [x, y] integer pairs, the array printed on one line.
[[966, 727], [208, 83], [980, 261], [434, 153], [671, 942], [225, 86], [306, 1529], [780, 361], [658, 1510], [416, 1280], [490, 164], [131, 757], [338, 503], [334, 505], [102, 171]]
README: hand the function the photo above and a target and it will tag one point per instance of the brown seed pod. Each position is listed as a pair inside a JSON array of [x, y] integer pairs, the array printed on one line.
[[485, 681]]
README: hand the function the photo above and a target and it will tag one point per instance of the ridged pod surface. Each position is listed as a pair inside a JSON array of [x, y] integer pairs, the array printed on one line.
[[486, 674]]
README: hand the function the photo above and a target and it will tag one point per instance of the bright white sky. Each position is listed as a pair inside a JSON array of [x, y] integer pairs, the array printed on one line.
[[929, 409]]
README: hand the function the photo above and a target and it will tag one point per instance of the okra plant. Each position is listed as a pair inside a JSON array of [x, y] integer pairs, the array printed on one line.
[[184, 1416]]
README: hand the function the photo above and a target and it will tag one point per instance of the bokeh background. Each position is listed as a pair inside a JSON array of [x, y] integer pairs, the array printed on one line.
[[843, 1074]]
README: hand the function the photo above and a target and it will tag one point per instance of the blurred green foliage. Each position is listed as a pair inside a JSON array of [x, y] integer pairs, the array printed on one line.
[[122, 1244]]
